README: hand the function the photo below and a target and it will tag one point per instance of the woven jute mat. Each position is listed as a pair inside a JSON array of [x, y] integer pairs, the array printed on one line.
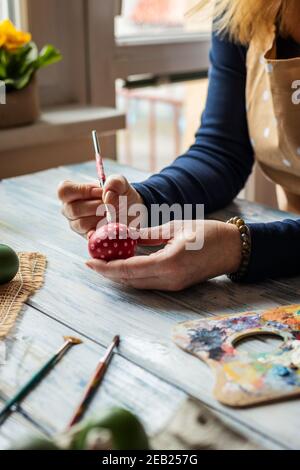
[[13, 295]]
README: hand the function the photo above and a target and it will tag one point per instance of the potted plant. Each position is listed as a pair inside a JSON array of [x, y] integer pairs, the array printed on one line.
[[19, 62]]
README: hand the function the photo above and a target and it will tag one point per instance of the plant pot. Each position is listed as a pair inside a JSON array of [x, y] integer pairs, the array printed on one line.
[[22, 107]]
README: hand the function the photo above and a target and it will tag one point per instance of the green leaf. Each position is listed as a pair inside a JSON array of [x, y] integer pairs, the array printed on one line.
[[18, 66], [48, 55], [30, 58], [2, 64], [29, 53], [4, 56], [2, 71], [20, 82]]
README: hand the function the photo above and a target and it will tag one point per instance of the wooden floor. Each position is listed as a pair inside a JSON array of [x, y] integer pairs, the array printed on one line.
[[149, 376]]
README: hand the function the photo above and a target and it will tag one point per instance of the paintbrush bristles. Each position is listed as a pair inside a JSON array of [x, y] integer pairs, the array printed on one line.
[[72, 340], [116, 340]]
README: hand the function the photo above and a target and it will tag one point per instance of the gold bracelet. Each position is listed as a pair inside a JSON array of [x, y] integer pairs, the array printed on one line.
[[246, 248]]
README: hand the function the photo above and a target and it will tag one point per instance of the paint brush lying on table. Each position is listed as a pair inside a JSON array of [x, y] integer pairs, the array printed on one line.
[[12, 404], [94, 382]]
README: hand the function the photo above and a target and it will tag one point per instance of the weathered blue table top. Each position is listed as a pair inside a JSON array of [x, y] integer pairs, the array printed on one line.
[[149, 375]]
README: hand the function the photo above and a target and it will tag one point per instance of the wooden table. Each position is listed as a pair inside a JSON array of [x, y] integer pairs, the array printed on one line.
[[149, 376]]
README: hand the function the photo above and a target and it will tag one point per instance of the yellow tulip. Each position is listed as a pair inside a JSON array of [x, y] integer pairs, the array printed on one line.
[[13, 38], [2, 39]]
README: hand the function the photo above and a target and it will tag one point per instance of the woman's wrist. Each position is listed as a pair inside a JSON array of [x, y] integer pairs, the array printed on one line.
[[139, 199]]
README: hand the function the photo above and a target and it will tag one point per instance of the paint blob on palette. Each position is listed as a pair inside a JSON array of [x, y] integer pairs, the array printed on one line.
[[246, 378]]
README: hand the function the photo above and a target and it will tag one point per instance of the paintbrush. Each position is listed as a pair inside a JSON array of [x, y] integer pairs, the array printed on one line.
[[100, 169], [94, 382], [13, 403]]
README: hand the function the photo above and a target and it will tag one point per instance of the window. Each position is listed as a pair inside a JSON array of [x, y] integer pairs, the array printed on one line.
[[161, 122], [4, 9], [132, 49], [11, 9], [163, 18], [154, 40]]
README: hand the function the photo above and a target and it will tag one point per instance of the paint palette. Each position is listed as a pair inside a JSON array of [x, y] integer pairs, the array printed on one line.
[[246, 378]]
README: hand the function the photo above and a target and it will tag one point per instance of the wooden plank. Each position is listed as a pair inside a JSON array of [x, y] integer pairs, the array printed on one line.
[[61, 124], [54, 22], [52, 403], [61, 136], [162, 59], [149, 317], [102, 83], [16, 429]]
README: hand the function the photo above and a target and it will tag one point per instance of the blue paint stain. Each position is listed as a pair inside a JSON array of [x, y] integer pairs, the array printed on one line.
[[282, 371], [276, 325], [208, 340], [242, 323]]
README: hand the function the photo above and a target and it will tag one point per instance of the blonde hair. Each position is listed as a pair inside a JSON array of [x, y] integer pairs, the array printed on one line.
[[247, 19]]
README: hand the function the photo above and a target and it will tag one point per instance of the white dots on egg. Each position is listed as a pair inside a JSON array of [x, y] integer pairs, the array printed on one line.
[[269, 68], [286, 163], [262, 59], [266, 95], [108, 250]]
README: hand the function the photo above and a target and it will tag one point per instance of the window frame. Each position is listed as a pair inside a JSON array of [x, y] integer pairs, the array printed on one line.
[[122, 58], [88, 75], [65, 82]]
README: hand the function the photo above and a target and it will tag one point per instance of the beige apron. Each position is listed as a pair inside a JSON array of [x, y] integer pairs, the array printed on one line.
[[273, 112]]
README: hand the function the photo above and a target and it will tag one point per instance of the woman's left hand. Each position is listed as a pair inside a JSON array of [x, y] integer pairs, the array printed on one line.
[[177, 265]]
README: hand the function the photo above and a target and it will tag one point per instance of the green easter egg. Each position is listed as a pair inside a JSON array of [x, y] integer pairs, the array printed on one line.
[[9, 264], [35, 443], [127, 431]]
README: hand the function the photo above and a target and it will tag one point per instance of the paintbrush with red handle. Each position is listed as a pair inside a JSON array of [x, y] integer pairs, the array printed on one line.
[[94, 382]]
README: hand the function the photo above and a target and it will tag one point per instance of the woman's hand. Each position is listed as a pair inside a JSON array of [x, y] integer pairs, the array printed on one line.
[[175, 267], [81, 201]]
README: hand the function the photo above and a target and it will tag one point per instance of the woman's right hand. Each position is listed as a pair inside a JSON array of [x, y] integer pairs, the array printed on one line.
[[81, 201]]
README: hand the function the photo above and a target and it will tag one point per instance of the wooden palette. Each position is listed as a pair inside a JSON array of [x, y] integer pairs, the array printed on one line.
[[244, 378]]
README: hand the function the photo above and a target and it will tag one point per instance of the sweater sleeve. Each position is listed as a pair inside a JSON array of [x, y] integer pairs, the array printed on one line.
[[215, 168], [275, 250]]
